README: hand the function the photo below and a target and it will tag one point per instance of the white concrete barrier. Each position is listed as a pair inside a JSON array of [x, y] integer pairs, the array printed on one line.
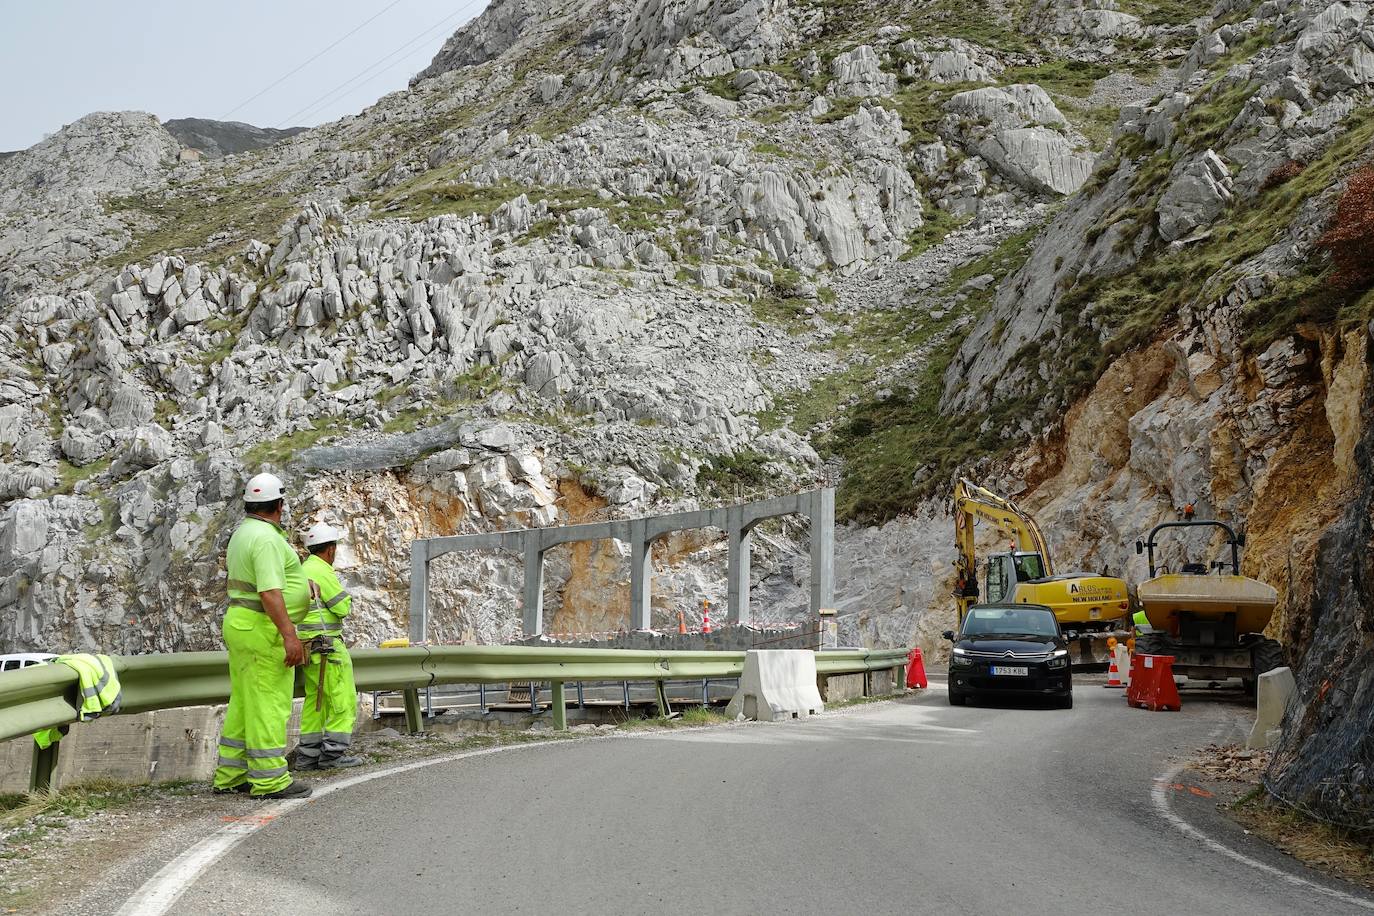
[[1272, 693], [777, 684]]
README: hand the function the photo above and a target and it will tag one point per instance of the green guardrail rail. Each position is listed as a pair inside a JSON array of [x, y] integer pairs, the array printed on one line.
[[45, 696]]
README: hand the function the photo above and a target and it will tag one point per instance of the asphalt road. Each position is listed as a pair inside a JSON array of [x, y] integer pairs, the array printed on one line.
[[903, 808]]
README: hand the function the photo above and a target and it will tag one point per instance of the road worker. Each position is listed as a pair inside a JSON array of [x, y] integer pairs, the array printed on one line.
[[268, 596], [331, 700]]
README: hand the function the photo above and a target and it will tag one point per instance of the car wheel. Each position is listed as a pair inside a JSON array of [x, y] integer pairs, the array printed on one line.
[[956, 699], [1066, 701]]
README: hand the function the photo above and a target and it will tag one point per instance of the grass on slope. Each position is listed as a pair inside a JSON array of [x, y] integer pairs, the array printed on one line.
[[439, 192], [1136, 303], [201, 221], [885, 441], [898, 449]]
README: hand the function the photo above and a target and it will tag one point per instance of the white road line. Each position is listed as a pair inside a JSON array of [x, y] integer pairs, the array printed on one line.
[[159, 892], [1159, 794]]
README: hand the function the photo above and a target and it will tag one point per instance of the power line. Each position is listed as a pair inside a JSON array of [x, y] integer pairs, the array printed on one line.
[[403, 50], [311, 60]]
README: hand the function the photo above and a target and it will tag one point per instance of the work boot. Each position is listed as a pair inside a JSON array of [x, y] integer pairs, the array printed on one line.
[[295, 790], [306, 763], [239, 789], [339, 763]]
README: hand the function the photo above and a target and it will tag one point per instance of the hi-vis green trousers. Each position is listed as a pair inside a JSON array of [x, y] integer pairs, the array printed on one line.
[[327, 733], [252, 746]]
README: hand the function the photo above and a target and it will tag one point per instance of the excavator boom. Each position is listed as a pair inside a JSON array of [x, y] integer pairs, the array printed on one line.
[[1080, 601]]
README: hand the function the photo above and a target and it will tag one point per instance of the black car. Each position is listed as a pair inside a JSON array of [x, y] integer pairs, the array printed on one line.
[[1004, 650]]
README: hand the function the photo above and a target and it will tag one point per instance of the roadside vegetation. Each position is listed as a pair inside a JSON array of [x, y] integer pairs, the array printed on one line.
[[1339, 851]]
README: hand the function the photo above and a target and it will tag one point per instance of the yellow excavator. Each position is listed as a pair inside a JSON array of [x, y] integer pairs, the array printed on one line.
[[1083, 602]]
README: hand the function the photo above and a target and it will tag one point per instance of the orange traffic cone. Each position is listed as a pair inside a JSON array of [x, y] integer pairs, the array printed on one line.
[[1113, 671], [916, 669], [705, 616], [681, 624]]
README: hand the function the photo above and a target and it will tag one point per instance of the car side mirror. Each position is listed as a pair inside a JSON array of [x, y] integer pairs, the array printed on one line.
[[948, 634], [1139, 547]]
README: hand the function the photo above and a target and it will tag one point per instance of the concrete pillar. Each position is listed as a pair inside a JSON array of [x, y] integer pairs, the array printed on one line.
[[532, 614], [737, 584], [822, 513], [641, 575], [419, 590]]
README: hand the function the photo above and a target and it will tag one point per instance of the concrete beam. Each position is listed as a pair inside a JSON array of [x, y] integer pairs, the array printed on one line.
[[532, 613], [738, 571], [419, 590], [822, 513], [641, 575], [736, 521]]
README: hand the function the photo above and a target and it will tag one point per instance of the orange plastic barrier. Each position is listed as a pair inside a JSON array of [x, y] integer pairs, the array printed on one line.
[[916, 670], [1152, 683]]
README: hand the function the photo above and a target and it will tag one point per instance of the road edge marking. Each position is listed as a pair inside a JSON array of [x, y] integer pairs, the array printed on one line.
[[1159, 795], [157, 895]]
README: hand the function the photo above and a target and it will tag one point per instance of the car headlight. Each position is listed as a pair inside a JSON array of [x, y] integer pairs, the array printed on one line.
[[960, 659], [1060, 659]]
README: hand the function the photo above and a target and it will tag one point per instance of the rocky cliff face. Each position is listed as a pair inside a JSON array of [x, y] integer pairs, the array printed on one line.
[[609, 258]]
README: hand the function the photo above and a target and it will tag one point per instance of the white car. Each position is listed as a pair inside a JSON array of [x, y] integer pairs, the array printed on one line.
[[23, 660]]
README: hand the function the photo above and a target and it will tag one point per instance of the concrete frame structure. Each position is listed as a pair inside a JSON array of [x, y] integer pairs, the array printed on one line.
[[738, 522]]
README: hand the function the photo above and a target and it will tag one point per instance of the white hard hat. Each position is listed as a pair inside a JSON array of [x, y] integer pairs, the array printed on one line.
[[322, 533], [263, 488]]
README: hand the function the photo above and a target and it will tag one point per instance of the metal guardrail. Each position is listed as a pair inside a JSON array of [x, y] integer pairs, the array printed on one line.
[[45, 696]]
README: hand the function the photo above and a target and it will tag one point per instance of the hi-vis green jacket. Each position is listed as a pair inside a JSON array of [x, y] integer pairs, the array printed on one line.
[[335, 603], [99, 688]]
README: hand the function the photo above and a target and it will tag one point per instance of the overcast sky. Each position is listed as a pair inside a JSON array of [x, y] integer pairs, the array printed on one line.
[[60, 59]]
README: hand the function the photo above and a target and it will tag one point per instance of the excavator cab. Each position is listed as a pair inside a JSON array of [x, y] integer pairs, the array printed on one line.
[[1006, 570]]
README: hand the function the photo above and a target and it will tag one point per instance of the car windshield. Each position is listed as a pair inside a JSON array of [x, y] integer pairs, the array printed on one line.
[[1006, 621]]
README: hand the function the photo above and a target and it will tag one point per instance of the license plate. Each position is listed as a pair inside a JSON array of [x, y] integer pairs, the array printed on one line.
[[1013, 670]]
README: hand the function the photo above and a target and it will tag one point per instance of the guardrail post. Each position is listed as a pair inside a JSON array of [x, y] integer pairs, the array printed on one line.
[[664, 709], [560, 708], [414, 720], [44, 766], [532, 614], [822, 513], [419, 590], [641, 575]]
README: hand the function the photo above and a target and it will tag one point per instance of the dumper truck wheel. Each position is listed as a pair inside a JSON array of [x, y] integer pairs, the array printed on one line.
[[1266, 655]]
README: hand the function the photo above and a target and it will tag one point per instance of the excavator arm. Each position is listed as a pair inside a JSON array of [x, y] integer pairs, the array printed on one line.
[[972, 502]]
